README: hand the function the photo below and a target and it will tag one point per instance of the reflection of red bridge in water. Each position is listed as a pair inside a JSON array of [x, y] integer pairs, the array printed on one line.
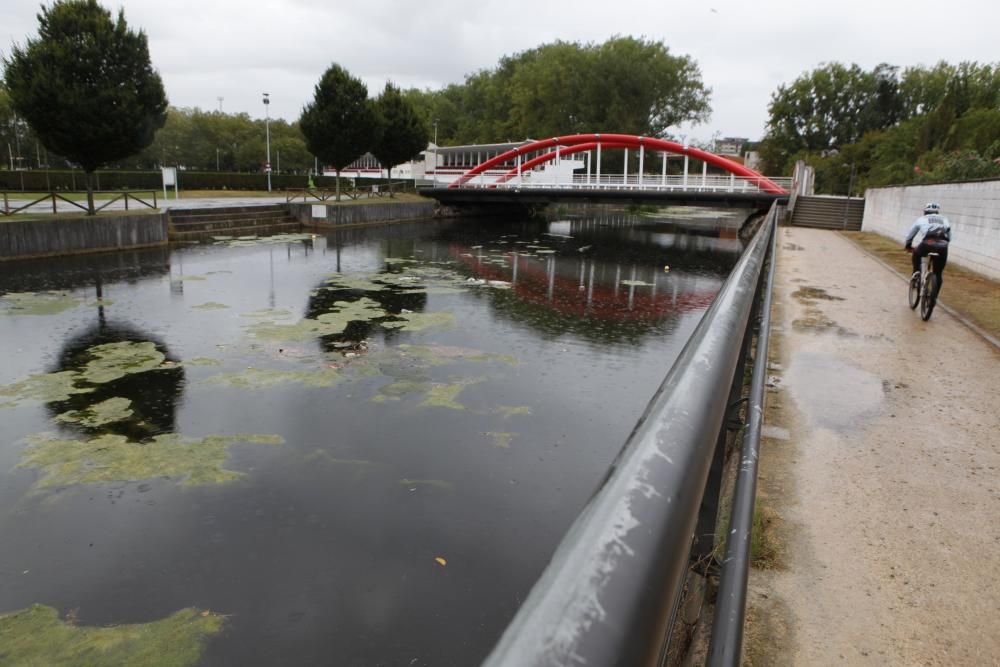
[[540, 284]]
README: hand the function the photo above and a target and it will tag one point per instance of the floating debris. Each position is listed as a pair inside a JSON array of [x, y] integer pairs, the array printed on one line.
[[637, 283], [210, 305], [38, 303], [584, 248], [115, 458], [106, 412], [269, 313], [400, 389], [440, 561], [37, 636]]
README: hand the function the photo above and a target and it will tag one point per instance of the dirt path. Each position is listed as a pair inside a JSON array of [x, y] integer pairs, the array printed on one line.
[[882, 461]]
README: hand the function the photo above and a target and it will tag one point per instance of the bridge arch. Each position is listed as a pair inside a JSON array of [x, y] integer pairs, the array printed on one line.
[[577, 141]]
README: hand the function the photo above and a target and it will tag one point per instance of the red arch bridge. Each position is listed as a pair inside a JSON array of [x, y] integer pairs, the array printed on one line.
[[570, 168]]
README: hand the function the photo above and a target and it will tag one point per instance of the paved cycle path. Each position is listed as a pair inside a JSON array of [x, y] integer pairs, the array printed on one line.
[[881, 459]]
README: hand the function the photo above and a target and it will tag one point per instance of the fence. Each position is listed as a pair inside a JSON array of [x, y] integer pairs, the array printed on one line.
[[609, 595], [40, 203]]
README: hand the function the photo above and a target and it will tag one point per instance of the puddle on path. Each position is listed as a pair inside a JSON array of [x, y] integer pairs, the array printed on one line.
[[830, 392]]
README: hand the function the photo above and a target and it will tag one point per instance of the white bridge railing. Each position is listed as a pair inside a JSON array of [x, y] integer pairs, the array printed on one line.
[[690, 183]]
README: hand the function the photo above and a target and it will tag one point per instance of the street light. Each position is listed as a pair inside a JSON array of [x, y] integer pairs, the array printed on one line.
[[267, 131], [435, 171]]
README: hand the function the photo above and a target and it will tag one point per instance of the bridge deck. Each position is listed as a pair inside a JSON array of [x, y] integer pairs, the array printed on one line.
[[537, 196]]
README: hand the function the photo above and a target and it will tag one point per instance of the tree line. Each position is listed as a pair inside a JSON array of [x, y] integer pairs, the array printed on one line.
[[887, 126]]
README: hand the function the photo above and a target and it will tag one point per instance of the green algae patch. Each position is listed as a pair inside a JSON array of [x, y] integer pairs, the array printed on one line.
[[37, 636], [115, 458], [446, 395], [269, 314], [106, 412], [210, 305], [420, 321], [512, 410], [444, 354], [399, 390], [501, 439], [203, 361], [264, 378], [38, 303], [44, 387], [327, 324], [112, 361], [637, 283], [188, 278]]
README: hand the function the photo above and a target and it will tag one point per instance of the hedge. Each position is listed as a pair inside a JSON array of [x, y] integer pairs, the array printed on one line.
[[39, 180]]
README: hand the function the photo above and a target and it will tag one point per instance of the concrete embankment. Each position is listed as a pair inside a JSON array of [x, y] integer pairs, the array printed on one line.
[[21, 239], [337, 215]]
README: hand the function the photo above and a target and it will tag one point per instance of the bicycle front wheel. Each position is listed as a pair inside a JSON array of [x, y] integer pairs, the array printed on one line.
[[929, 297], [914, 290]]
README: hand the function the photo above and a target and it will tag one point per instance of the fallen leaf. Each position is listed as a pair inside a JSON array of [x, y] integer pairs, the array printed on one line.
[[441, 561]]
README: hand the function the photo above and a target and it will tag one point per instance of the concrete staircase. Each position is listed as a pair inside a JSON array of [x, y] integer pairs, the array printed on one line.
[[829, 212], [230, 221]]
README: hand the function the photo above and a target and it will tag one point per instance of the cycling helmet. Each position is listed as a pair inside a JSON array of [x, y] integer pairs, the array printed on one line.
[[932, 208]]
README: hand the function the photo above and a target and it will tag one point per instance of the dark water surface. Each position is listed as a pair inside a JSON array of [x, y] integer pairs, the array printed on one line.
[[475, 440]]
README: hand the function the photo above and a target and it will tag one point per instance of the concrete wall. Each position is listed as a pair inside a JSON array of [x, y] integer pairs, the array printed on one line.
[[972, 208], [332, 214], [67, 236]]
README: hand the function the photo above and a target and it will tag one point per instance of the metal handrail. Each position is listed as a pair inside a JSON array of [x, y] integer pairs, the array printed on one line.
[[368, 191], [730, 605], [607, 596], [56, 197]]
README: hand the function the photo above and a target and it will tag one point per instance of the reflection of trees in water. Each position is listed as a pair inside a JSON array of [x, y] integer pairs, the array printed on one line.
[[76, 271], [155, 394], [391, 299]]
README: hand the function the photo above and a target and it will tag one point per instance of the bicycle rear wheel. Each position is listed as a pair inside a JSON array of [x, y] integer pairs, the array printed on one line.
[[914, 290], [929, 297]]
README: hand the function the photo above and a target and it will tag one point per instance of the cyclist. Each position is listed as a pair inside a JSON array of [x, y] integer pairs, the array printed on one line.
[[932, 233]]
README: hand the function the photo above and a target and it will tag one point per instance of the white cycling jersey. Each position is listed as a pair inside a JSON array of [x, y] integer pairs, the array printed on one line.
[[928, 226]]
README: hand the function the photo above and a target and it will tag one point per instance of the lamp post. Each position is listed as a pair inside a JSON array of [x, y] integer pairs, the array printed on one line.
[[435, 171], [267, 134]]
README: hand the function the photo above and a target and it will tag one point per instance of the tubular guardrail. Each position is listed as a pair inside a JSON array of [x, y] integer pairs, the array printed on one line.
[[56, 197], [609, 594], [730, 603], [692, 183]]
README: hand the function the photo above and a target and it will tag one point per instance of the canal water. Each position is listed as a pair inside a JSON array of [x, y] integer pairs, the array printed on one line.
[[353, 448]]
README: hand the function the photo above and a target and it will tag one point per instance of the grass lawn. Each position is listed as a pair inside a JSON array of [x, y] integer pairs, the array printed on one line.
[[970, 294]]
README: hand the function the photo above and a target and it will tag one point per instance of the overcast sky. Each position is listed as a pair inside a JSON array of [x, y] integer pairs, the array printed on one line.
[[236, 49]]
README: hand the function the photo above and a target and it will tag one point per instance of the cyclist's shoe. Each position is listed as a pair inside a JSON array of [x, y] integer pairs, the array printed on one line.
[[915, 274]]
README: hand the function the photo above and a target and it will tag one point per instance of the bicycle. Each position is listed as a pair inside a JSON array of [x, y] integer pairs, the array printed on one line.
[[924, 287]]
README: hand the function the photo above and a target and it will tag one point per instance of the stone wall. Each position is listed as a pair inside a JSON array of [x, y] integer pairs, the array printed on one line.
[[972, 208], [334, 215], [68, 236]]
